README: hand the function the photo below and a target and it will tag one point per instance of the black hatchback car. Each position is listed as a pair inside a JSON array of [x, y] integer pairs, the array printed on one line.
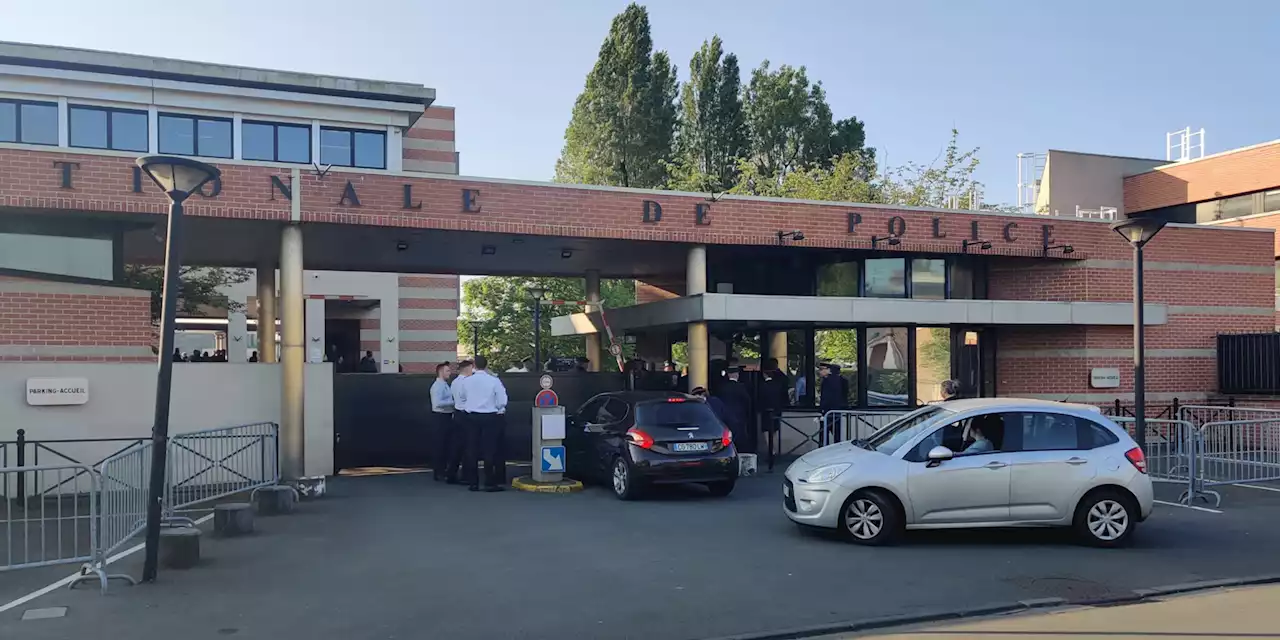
[[633, 439]]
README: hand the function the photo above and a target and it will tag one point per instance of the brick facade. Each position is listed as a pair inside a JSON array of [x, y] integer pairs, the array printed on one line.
[[51, 322], [1218, 176]]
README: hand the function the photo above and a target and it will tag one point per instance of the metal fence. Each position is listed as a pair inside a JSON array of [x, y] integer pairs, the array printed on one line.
[[1237, 452], [204, 466], [849, 424], [1170, 451]]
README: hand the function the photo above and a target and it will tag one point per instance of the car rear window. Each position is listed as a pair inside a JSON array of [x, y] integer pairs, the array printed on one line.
[[675, 413]]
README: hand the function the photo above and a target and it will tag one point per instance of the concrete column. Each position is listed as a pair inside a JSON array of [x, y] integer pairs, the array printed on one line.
[[237, 337], [594, 340], [699, 347], [266, 312], [778, 348], [292, 354], [315, 330]]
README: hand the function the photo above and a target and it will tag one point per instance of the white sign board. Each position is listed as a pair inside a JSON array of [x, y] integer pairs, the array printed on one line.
[[51, 392], [553, 426], [1104, 378]]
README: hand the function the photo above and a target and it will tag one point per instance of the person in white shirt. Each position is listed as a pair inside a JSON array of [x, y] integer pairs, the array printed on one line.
[[462, 426], [442, 426], [486, 402]]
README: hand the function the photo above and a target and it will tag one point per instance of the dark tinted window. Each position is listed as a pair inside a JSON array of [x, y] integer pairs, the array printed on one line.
[[8, 122], [257, 141], [293, 144], [275, 142], [1048, 432], [929, 279], [103, 128], [349, 148], [661, 414], [195, 136], [335, 147], [88, 128], [371, 150], [885, 278], [213, 138], [1094, 435]]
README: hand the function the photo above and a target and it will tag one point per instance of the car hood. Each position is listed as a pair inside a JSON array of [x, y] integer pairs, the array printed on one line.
[[836, 453]]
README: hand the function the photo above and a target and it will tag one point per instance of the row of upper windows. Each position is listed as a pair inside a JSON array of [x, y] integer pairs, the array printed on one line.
[[127, 130]]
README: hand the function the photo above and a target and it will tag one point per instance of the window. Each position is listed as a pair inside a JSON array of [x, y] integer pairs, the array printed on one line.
[[887, 366], [1094, 435], [275, 142], [838, 279], [103, 128], [929, 279], [195, 136], [1271, 201], [970, 436], [660, 413], [901, 431], [1048, 432], [613, 410], [933, 362], [28, 122], [885, 278], [353, 148]]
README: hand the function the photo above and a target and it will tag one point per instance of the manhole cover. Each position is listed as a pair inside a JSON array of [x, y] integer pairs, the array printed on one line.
[[1067, 587]]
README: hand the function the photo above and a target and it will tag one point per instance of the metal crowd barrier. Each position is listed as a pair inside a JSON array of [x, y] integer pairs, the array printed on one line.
[[1236, 452], [1170, 452], [848, 424], [204, 466]]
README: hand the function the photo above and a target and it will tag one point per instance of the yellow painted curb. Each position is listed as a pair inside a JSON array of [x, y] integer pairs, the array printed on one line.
[[526, 483]]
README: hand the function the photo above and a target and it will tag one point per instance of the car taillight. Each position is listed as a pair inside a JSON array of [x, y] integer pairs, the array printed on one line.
[[727, 438], [675, 399], [640, 438], [1138, 460]]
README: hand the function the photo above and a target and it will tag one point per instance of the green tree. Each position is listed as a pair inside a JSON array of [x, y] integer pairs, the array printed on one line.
[[791, 124], [947, 182], [200, 291], [712, 134], [505, 311], [623, 122]]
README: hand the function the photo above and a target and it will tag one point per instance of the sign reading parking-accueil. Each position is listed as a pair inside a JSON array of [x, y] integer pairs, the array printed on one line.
[[50, 392]]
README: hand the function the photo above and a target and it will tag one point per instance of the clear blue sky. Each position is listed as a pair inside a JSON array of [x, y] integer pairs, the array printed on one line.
[[1101, 76]]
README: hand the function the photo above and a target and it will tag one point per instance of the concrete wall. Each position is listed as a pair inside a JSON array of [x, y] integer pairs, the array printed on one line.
[[122, 400], [1086, 180]]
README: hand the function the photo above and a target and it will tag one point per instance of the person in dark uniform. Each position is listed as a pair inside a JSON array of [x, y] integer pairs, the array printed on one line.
[[737, 401], [486, 402], [442, 425], [834, 390], [774, 394]]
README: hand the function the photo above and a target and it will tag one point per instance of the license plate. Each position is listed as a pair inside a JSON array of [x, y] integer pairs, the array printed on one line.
[[689, 446]]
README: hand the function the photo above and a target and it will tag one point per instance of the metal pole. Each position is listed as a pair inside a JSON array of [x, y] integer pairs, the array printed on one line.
[[292, 355], [1139, 355], [537, 335], [164, 382], [475, 340]]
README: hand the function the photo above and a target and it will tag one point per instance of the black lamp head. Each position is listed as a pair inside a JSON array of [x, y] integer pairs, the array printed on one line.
[[1138, 230], [177, 176]]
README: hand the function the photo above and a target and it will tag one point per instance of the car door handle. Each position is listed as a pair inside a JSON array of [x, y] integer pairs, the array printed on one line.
[[995, 465], [1076, 461]]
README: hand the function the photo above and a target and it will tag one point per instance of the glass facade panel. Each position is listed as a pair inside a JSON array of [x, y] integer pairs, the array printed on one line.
[[888, 362], [177, 135], [293, 143], [129, 131], [8, 122], [371, 150], [1271, 201], [929, 279], [933, 362], [335, 147], [213, 138], [885, 278], [39, 123], [838, 279], [89, 128]]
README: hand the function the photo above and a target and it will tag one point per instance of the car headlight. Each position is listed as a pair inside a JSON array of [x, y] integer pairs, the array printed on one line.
[[827, 473]]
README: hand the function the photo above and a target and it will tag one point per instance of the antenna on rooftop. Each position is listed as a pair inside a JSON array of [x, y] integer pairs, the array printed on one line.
[[1184, 145]]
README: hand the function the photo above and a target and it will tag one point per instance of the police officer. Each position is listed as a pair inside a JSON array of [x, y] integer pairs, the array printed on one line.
[[773, 397], [486, 402], [442, 424], [461, 426]]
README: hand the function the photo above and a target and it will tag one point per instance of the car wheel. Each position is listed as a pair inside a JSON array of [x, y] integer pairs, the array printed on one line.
[[623, 480], [870, 518], [1106, 519], [721, 489]]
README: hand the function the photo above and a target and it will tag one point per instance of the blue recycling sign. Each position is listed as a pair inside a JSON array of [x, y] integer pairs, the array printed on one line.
[[553, 459]]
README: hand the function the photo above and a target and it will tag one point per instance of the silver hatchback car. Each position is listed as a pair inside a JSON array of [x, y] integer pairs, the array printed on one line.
[[988, 462]]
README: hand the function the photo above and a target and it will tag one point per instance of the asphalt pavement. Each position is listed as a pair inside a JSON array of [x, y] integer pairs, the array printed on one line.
[[403, 557]]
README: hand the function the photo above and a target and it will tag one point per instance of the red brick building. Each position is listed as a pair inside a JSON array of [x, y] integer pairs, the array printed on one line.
[[364, 175]]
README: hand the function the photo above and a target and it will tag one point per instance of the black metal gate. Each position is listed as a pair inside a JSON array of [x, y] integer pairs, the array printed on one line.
[[383, 419]]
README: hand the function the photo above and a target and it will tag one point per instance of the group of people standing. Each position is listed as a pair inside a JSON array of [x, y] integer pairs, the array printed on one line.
[[469, 425]]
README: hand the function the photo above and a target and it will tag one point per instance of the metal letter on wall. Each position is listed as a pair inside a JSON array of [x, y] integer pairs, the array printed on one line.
[[212, 188], [973, 230], [702, 214], [897, 226], [137, 179], [854, 219], [652, 211], [470, 201], [1046, 235], [278, 185], [937, 228], [349, 197], [408, 199], [1008, 232], [66, 171]]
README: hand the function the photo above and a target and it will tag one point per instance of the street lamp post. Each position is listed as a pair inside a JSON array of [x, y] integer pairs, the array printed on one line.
[[1139, 231], [536, 293], [178, 178], [475, 337]]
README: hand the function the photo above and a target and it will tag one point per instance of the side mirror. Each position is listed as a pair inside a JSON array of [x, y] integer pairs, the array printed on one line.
[[939, 454]]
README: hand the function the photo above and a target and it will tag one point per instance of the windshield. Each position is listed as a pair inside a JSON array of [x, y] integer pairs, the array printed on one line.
[[900, 431], [666, 414]]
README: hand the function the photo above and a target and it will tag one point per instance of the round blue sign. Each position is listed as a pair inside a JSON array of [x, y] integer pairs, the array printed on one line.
[[546, 398]]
